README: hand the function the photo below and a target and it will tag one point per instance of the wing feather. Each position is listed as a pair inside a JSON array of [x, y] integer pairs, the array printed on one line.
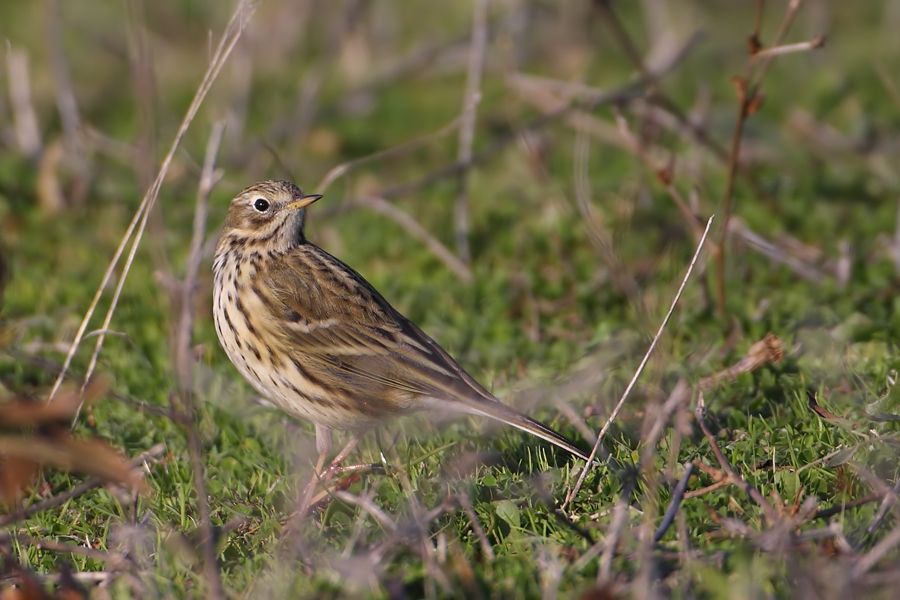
[[338, 321]]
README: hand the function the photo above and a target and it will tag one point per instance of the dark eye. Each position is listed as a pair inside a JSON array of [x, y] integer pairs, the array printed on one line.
[[261, 204]]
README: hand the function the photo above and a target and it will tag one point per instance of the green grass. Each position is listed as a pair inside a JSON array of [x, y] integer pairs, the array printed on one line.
[[541, 308]]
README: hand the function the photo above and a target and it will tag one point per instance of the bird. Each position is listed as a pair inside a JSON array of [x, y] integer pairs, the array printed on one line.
[[318, 341]]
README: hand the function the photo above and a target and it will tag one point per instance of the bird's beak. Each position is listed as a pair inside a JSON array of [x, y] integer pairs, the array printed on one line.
[[302, 202]]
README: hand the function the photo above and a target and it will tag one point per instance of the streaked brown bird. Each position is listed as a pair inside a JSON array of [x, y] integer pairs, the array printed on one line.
[[316, 339]]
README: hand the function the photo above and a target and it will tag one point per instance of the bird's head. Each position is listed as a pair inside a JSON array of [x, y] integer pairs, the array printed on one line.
[[270, 214]]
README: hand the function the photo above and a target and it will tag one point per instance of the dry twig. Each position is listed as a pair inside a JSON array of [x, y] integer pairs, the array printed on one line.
[[675, 502], [417, 231], [768, 350], [587, 467]]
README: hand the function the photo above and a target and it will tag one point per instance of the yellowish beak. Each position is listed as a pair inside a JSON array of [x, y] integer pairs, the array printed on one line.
[[302, 202]]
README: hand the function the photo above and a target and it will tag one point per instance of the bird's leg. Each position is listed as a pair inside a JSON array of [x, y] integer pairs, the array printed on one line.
[[323, 447], [335, 467], [323, 474]]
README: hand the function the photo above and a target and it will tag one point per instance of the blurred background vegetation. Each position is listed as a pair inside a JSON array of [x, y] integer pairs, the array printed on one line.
[[593, 121]]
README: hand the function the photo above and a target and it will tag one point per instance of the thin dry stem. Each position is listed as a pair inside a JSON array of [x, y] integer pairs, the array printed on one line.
[[417, 231], [748, 98], [368, 506], [816, 42], [600, 236], [466, 504], [342, 169], [184, 364], [612, 417], [232, 33], [619, 519], [471, 99], [208, 179], [25, 124], [871, 558], [675, 502], [114, 560]]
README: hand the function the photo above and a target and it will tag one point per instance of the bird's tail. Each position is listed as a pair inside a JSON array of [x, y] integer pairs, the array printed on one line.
[[498, 411]]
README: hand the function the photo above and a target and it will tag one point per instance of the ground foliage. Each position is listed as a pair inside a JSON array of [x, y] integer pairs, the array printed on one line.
[[577, 245]]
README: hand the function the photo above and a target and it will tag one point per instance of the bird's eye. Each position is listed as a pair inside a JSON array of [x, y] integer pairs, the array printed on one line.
[[261, 204]]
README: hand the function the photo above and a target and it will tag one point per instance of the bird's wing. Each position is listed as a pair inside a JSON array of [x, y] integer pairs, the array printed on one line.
[[334, 318]]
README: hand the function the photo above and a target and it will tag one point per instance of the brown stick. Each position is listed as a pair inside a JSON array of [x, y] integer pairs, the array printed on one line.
[[748, 98], [816, 42]]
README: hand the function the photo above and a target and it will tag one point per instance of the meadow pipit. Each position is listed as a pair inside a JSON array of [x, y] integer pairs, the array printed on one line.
[[315, 338]]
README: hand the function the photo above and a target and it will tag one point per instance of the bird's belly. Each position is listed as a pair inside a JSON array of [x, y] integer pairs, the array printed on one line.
[[270, 370]]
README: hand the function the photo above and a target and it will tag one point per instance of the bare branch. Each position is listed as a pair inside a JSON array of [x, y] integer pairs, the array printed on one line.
[[871, 558], [675, 502], [342, 169]]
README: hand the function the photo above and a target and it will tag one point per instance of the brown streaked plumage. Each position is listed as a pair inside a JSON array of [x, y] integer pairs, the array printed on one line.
[[315, 338]]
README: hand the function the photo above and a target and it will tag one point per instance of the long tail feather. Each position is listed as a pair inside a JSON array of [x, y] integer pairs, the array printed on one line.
[[498, 411]]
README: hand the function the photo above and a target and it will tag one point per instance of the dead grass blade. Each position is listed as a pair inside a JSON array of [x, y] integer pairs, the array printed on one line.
[[135, 230], [612, 417]]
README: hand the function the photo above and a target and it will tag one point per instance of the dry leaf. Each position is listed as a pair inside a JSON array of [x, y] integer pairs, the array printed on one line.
[[16, 475], [91, 457], [22, 412]]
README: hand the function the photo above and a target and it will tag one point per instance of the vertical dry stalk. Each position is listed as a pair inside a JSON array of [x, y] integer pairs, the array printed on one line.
[[748, 101], [25, 123], [619, 519], [184, 364], [65, 97], [745, 97], [472, 97], [233, 30], [208, 179]]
